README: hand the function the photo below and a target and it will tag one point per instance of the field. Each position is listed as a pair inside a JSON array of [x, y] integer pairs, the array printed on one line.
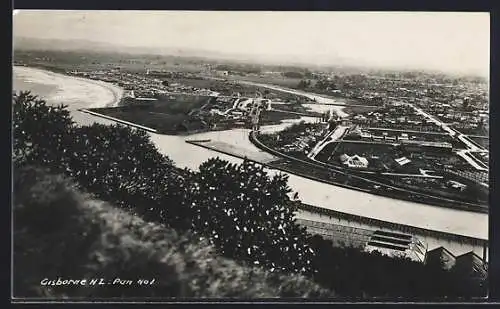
[[336, 149], [173, 114], [483, 141], [381, 156], [179, 104], [167, 115], [359, 109], [296, 108], [274, 80], [273, 117], [86, 60], [163, 123]]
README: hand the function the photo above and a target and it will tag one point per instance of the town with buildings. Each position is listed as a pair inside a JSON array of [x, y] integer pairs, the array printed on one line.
[[419, 132], [421, 138]]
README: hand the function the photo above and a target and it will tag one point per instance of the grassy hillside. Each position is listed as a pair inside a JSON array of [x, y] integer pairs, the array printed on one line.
[[60, 232]]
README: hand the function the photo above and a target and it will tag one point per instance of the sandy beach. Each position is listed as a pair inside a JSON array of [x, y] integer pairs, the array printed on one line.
[[73, 91]]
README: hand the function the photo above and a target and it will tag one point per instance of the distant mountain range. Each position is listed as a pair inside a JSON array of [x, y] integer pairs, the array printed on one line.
[[24, 43], [324, 62]]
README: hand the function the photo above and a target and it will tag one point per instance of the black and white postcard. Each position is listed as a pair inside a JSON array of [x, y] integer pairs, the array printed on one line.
[[215, 155]]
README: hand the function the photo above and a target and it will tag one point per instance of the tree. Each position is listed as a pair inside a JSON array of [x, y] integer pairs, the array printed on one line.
[[320, 84], [466, 104], [293, 74], [117, 163], [249, 216], [38, 129], [122, 165], [302, 84]]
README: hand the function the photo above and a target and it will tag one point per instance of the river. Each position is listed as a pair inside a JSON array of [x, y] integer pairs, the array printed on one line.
[[322, 100], [80, 93]]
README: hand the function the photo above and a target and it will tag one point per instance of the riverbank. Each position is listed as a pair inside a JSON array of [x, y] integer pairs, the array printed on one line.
[[311, 192], [335, 105], [268, 163], [302, 168], [458, 244]]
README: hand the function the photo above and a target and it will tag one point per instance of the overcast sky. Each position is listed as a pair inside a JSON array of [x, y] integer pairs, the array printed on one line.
[[456, 42]]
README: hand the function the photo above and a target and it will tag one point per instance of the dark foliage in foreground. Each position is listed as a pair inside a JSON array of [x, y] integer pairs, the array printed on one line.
[[61, 233], [39, 129], [249, 215], [359, 274], [242, 212]]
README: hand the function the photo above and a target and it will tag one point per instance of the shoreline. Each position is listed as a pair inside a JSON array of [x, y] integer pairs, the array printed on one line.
[[115, 91]]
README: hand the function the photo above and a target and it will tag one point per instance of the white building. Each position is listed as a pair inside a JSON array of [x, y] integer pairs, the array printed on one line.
[[457, 185], [402, 161], [354, 161]]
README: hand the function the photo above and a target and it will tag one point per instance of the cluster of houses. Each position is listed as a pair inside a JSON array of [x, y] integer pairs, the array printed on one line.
[[395, 116], [358, 133], [144, 85], [227, 111], [456, 185], [475, 176], [302, 142], [404, 139]]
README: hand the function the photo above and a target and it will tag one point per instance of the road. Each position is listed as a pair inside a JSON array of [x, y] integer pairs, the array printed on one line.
[[471, 145], [405, 131], [331, 137]]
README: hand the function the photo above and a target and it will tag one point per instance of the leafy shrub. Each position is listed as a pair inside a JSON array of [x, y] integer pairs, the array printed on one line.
[[100, 241], [249, 215], [38, 129], [117, 163], [137, 177]]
